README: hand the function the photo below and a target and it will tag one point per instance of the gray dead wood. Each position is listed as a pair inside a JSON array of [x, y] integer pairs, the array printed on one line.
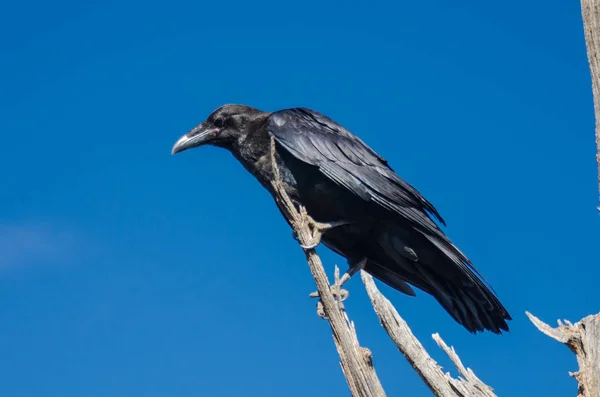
[[590, 11], [440, 383], [583, 339], [356, 361]]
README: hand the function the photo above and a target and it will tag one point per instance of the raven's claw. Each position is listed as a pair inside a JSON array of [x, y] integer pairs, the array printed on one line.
[[317, 230]]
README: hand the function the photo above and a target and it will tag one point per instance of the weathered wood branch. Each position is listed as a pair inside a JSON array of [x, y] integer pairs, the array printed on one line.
[[356, 361], [440, 383], [583, 339], [590, 11]]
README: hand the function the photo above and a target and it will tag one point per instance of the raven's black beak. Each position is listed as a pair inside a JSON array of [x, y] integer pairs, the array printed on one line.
[[196, 137]]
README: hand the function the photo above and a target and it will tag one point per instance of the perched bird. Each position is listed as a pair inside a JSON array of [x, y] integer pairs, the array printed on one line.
[[380, 223]]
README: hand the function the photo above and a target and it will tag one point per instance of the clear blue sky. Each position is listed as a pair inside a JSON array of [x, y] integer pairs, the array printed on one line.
[[125, 271]]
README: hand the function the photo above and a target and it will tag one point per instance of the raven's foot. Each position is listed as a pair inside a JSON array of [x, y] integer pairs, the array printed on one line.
[[318, 229], [354, 268], [336, 290]]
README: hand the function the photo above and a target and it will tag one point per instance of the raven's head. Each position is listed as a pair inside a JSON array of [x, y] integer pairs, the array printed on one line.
[[223, 127]]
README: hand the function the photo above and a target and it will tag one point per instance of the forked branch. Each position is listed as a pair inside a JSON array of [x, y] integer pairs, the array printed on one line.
[[440, 383]]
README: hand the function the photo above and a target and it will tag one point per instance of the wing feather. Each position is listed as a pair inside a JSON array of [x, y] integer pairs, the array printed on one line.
[[319, 141], [341, 156]]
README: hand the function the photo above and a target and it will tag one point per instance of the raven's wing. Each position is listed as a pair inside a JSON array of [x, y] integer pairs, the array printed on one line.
[[345, 159]]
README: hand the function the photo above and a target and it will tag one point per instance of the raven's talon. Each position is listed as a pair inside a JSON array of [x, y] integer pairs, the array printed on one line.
[[306, 247], [341, 294], [322, 227], [337, 292], [317, 230], [310, 246]]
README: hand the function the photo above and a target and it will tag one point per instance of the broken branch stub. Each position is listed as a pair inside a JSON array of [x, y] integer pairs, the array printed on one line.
[[583, 339]]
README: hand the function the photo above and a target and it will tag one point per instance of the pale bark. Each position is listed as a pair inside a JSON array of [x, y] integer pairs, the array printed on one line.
[[440, 383], [590, 11], [583, 339]]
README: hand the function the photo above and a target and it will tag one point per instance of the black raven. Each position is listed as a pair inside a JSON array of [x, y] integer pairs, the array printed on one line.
[[384, 225]]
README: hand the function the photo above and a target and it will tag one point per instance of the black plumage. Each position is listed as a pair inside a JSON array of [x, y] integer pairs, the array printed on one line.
[[337, 177]]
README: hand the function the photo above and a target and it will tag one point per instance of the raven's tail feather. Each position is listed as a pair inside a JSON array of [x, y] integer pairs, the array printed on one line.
[[388, 277], [476, 308], [437, 267]]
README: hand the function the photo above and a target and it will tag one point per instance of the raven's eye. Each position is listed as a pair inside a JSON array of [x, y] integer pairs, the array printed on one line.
[[219, 122]]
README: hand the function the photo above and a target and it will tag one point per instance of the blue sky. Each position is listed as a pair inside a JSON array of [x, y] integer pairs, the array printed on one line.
[[125, 271]]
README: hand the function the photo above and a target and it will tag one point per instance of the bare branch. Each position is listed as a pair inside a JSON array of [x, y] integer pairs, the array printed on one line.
[[471, 385], [590, 11], [583, 339], [557, 334], [356, 362], [442, 385]]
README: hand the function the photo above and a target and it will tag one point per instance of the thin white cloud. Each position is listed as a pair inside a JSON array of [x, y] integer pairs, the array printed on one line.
[[30, 243]]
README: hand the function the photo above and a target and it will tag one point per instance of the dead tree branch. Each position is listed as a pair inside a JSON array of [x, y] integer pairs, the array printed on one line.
[[442, 385], [590, 11], [583, 339], [356, 361]]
